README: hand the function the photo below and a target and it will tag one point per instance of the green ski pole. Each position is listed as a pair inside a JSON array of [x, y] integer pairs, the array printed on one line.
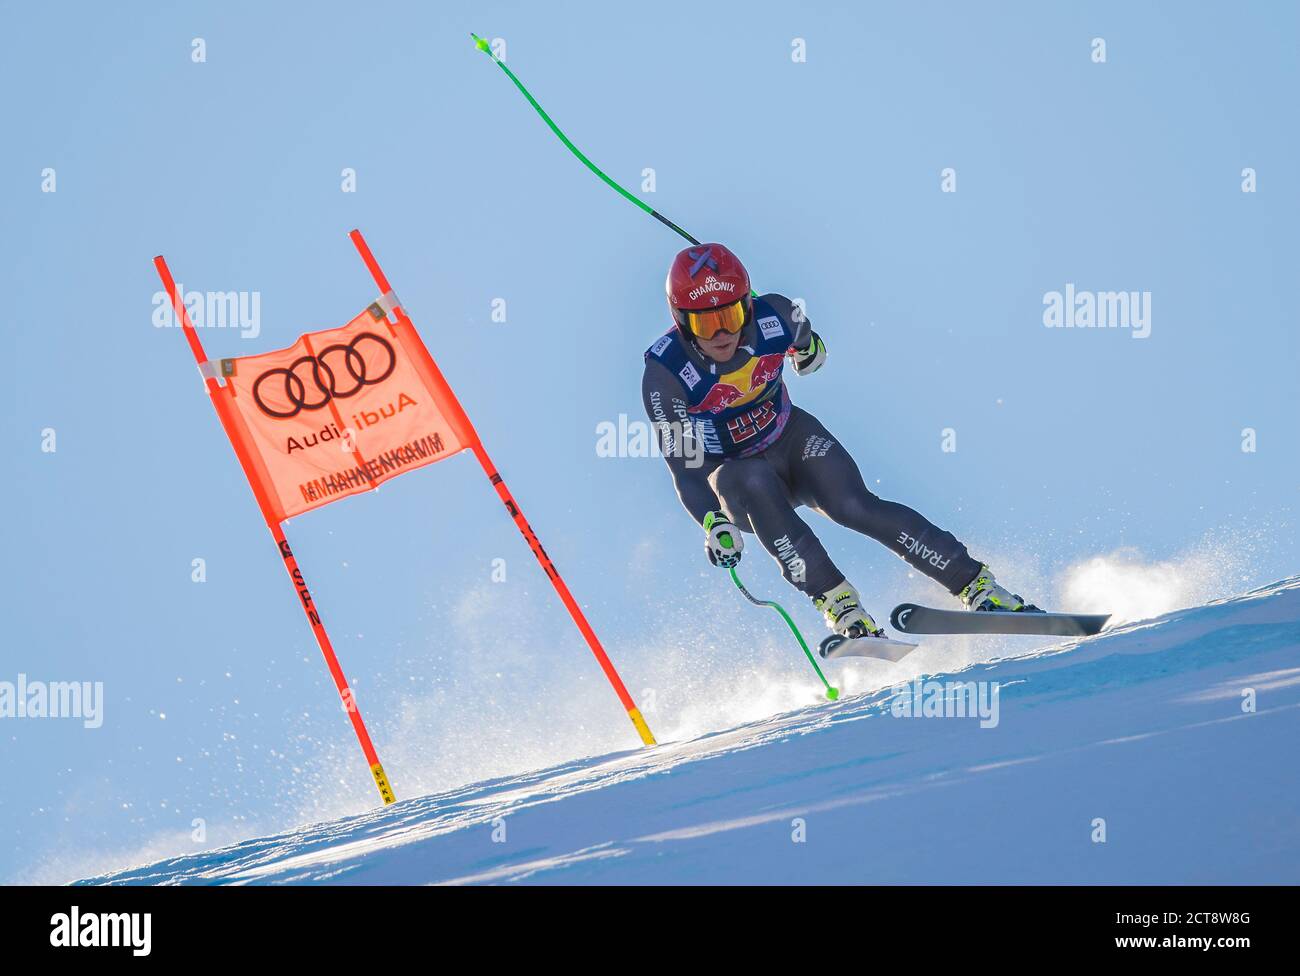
[[725, 538], [486, 48]]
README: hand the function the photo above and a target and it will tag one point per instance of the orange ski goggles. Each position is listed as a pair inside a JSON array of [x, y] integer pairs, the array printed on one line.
[[705, 323]]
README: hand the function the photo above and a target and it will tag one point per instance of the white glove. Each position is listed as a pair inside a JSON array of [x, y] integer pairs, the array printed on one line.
[[723, 543], [809, 360]]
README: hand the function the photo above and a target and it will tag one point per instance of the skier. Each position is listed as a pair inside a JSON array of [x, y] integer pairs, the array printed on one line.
[[743, 457]]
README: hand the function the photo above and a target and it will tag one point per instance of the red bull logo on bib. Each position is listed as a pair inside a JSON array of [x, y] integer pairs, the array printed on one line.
[[740, 386]]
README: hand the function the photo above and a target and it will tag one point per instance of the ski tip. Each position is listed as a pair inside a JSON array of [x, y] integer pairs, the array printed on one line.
[[898, 616]]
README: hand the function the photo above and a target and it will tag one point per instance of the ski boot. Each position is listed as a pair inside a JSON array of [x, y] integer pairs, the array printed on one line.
[[985, 593], [842, 607]]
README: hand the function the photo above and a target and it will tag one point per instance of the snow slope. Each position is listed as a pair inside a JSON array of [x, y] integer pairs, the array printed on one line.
[[1147, 727]]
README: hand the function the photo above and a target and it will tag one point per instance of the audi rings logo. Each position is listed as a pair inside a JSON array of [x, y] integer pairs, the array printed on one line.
[[335, 373]]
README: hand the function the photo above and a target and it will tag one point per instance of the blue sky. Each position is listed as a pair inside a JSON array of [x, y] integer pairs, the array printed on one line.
[[824, 176]]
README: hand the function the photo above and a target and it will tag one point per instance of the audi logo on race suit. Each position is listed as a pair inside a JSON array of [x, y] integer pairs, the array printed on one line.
[[335, 373]]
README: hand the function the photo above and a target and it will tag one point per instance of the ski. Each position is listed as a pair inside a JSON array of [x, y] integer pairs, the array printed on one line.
[[909, 618], [884, 648]]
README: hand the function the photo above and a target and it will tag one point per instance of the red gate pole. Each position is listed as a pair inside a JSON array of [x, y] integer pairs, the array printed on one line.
[[222, 406], [476, 445]]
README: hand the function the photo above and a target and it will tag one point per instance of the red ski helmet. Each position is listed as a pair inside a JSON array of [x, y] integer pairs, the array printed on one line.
[[708, 291]]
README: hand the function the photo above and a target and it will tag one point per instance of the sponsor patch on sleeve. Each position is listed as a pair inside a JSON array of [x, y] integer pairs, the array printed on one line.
[[770, 326], [690, 375], [664, 342]]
